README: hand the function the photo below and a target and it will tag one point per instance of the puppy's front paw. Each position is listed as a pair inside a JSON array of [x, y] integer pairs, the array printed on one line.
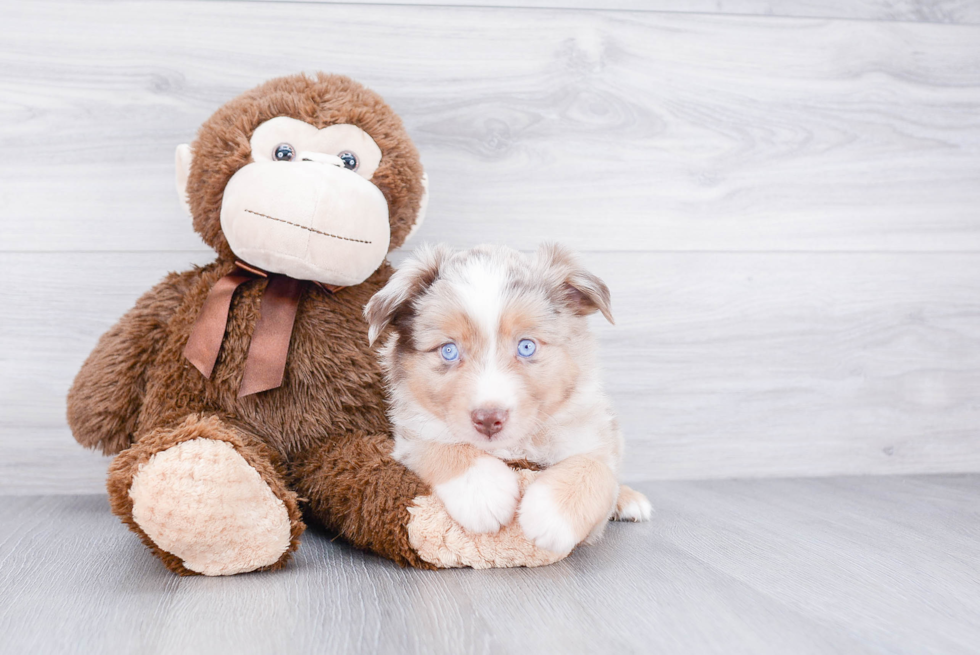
[[484, 497], [542, 521]]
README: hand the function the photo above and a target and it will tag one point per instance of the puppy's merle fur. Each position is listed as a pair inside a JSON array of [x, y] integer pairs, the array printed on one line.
[[491, 359]]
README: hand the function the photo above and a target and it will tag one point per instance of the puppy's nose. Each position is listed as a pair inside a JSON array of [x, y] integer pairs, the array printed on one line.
[[489, 421]]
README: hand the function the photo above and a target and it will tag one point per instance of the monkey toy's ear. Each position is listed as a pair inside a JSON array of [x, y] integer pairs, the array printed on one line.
[[423, 206], [183, 161]]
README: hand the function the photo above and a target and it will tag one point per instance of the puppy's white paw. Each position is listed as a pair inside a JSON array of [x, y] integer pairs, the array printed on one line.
[[542, 521], [632, 506], [484, 497]]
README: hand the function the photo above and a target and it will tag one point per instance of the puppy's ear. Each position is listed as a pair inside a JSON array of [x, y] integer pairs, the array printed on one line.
[[409, 281], [579, 289]]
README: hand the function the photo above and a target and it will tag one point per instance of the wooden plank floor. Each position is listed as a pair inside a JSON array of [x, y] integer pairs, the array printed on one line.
[[838, 565]]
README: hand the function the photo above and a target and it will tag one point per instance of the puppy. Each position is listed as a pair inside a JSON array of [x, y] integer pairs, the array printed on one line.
[[490, 360]]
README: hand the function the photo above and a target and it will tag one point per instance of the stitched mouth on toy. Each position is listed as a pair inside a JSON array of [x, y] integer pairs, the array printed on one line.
[[313, 230]]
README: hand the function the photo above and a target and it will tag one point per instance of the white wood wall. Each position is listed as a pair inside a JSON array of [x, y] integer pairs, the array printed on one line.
[[784, 198]]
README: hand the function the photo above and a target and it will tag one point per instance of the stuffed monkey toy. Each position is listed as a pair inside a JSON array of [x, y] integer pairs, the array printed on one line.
[[241, 397]]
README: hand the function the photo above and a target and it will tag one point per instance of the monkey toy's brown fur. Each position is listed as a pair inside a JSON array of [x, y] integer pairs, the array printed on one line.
[[321, 440]]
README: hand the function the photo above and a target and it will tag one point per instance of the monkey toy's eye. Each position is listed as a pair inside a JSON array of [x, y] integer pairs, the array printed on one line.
[[284, 152], [349, 159]]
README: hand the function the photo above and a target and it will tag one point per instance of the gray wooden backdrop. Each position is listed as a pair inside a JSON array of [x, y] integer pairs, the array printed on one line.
[[784, 198]]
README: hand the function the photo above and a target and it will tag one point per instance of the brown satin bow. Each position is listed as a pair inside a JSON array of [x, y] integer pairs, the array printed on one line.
[[266, 360]]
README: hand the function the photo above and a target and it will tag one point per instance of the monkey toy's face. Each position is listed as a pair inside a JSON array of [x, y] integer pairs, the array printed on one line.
[[308, 199], [305, 206]]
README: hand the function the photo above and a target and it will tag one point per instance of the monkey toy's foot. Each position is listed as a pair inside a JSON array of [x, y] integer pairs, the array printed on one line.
[[206, 499]]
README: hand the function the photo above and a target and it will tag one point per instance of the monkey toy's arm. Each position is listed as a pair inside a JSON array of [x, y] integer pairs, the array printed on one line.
[[105, 399], [354, 487]]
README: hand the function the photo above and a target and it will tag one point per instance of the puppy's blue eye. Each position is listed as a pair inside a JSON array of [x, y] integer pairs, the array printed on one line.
[[449, 352], [526, 348]]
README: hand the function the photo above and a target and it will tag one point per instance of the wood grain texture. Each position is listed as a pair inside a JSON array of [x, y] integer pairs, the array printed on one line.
[[720, 365], [842, 565], [786, 209], [610, 130], [917, 11]]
